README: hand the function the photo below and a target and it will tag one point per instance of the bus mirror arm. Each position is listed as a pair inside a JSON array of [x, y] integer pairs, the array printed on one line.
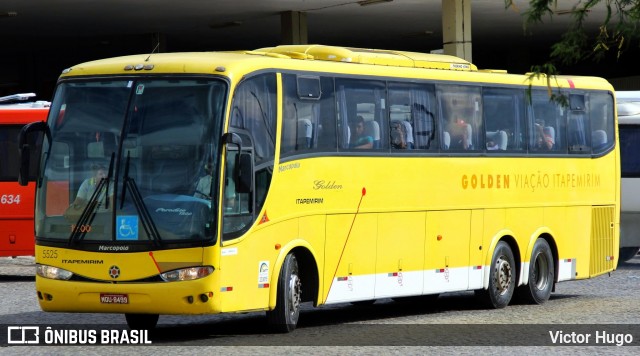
[[233, 139], [25, 148]]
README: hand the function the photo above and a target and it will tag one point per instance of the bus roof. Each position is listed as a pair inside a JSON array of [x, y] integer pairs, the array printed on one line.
[[629, 120], [628, 105], [629, 95], [40, 104], [22, 112], [369, 56], [319, 58]]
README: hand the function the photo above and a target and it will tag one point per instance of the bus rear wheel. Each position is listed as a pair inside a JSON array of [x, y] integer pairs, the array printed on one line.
[[141, 321], [284, 317], [627, 253], [541, 274], [502, 278]]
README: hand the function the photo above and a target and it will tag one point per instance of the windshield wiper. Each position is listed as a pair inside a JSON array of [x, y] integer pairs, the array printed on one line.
[[145, 217], [89, 211]]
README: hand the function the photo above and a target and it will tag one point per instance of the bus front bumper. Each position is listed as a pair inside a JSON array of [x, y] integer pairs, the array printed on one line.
[[185, 297]]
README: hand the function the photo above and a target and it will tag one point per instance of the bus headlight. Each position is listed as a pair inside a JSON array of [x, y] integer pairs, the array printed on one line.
[[53, 272], [186, 274]]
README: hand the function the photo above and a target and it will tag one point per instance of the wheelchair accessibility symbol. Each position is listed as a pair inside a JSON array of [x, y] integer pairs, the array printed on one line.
[[127, 228]]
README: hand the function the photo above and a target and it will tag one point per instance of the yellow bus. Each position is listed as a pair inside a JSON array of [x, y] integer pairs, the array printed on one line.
[[260, 180]]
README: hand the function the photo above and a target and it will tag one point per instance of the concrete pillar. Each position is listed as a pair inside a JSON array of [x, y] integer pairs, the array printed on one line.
[[294, 27], [456, 28]]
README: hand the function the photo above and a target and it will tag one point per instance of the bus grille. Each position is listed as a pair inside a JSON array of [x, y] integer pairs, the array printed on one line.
[[602, 241]]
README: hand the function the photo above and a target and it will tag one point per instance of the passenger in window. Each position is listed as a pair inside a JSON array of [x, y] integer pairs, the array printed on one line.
[[544, 140], [398, 135], [359, 139], [461, 133]]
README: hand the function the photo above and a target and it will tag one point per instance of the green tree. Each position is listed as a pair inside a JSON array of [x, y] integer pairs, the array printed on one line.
[[616, 33]]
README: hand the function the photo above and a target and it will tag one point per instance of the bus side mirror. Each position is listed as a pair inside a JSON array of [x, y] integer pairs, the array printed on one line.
[[25, 148], [244, 164]]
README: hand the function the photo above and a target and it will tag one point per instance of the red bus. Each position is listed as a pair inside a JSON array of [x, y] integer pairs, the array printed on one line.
[[16, 202]]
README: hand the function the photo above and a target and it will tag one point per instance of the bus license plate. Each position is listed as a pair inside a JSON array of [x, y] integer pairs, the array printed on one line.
[[114, 298]]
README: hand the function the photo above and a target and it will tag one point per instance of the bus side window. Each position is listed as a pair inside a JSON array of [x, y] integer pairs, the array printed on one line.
[[308, 123], [546, 124], [361, 101], [602, 123], [254, 113], [461, 116], [503, 111], [326, 112], [577, 125], [412, 106]]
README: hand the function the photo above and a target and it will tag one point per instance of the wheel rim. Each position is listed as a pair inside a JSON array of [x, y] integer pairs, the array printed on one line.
[[295, 294], [503, 275], [541, 271]]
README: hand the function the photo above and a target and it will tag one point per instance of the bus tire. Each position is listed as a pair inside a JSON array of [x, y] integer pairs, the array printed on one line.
[[541, 274], [284, 317], [502, 278], [142, 321], [627, 253]]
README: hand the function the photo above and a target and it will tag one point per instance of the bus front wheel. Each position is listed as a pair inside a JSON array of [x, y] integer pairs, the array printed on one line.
[[284, 317], [541, 274], [502, 278], [141, 321]]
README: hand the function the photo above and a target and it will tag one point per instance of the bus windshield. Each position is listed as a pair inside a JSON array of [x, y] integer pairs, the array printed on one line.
[[129, 162]]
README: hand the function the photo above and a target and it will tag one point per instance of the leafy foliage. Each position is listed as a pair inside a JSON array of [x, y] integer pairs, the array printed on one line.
[[617, 32]]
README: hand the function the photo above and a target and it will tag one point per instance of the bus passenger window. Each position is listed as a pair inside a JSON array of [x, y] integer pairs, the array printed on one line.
[[546, 124], [461, 116], [602, 123], [358, 103], [308, 120], [504, 116], [576, 131], [411, 115], [578, 125]]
